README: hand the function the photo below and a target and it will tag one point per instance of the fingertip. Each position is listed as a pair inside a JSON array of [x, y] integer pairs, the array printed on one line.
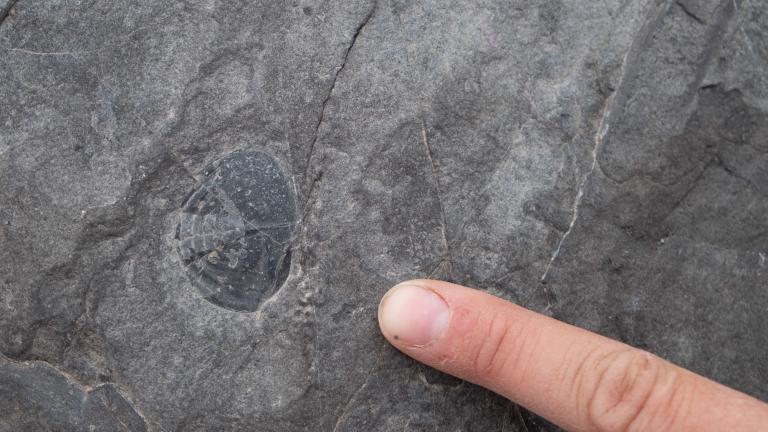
[[412, 314]]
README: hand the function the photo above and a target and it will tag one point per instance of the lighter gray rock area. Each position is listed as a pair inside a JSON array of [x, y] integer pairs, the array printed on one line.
[[604, 163]]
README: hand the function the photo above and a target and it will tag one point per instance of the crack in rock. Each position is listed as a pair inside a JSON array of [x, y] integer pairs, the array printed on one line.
[[602, 131], [351, 45], [435, 175], [57, 383], [7, 12]]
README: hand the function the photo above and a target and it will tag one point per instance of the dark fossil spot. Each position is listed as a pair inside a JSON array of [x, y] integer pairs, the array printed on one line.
[[235, 229]]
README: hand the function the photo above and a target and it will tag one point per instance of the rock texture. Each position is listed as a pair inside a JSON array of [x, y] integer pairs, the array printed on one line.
[[605, 163]]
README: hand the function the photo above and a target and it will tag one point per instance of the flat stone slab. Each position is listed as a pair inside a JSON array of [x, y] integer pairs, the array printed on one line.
[[202, 202]]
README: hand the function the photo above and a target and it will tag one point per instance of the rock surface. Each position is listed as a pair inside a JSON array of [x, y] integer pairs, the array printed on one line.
[[605, 163]]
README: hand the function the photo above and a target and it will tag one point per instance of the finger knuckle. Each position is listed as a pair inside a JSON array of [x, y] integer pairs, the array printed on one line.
[[497, 349], [627, 392]]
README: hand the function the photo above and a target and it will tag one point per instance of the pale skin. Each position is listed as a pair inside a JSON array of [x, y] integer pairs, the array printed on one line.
[[576, 379]]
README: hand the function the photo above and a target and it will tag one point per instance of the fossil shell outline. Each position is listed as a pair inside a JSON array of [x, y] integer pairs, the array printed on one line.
[[235, 229]]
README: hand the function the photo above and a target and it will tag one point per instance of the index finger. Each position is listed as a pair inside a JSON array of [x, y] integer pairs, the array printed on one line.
[[574, 378]]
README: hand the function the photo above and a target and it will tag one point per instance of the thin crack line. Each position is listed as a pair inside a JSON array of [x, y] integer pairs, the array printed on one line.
[[519, 414], [690, 187], [351, 45], [733, 173], [431, 159], [71, 379], [44, 54], [348, 405], [7, 11], [316, 178], [600, 134], [690, 13]]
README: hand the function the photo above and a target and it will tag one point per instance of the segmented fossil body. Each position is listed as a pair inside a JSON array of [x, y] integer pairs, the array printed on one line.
[[235, 229]]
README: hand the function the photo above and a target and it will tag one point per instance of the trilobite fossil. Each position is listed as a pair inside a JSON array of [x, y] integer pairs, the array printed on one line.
[[235, 230]]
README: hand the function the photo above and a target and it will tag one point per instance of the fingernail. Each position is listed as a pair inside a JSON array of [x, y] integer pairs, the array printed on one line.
[[413, 315]]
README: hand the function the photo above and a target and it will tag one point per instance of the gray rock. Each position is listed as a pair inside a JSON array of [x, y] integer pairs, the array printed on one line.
[[605, 163], [35, 396]]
